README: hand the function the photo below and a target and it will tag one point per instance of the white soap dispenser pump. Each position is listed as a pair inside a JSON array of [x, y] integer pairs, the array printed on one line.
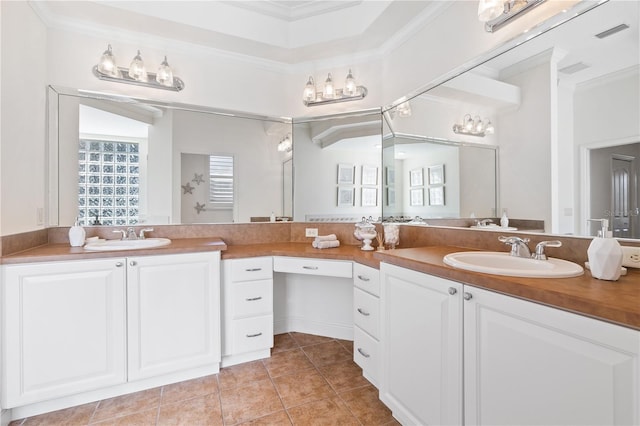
[[504, 220], [76, 235], [605, 254]]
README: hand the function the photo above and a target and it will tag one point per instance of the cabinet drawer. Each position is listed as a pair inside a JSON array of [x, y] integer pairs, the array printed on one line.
[[365, 353], [251, 298], [366, 312], [253, 268], [303, 265], [252, 334], [366, 278]]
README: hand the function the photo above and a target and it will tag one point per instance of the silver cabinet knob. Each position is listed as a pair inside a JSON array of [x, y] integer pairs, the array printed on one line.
[[452, 291], [119, 264], [133, 263], [467, 296]]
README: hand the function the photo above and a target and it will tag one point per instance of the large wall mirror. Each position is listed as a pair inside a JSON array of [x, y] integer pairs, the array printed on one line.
[[122, 161], [564, 110], [337, 165]]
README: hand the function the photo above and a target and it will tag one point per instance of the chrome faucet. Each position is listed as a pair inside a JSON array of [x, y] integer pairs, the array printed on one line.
[[142, 231], [484, 222], [130, 233], [519, 247], [539, 254]]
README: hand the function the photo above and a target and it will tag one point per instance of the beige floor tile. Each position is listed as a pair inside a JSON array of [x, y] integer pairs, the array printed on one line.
[[276, 419], [242, 374], [127, 404], [302, 388], [142, 418], [283, 342], [347, 344], [308, 339], [365, 405], [201, 411], [79, 415], [343, 375], [289, 362], [249, 402], [330, 411], [326, 353], [189, 389]]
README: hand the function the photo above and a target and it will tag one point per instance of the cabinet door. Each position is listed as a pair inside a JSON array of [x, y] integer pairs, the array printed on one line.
[[64, 329], [531, 364], [174, 313], [421, 345]]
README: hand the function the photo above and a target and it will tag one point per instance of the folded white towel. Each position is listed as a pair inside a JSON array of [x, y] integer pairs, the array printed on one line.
[[330, 237], [325, 244]]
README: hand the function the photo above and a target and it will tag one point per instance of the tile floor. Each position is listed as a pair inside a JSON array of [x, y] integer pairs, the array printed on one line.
[[309, 380]]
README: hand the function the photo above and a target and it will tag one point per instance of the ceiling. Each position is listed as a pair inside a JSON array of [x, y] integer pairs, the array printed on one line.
[[283, 31]]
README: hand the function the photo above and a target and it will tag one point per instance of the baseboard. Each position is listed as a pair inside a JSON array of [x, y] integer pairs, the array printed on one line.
[[5, 417], [301, 325], [229, 360]]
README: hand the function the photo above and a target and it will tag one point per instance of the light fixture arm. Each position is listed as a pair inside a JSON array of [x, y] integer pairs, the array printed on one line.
[[177, 86], [512, 9]]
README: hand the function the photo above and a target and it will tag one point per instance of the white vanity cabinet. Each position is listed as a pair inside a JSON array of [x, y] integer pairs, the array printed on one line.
[[421, 380], [173, 313], [523, 363], [64, 328], [366, 319], [247, 309], [90, 329]]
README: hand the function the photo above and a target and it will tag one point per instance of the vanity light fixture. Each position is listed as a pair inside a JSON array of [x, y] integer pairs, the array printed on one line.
[[474, 126], [137, 74], [497, 13], [329, 94], [285, 144]]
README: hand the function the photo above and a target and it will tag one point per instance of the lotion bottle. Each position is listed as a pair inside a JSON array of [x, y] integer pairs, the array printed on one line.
[[504, 221], [76, 235], [605, 254]]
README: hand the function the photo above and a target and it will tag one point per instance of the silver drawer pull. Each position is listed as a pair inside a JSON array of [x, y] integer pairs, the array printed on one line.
[[253, 269], [253, 299], [363, 353], [254, 335], [363, 278], [313, 268], [365, 313]]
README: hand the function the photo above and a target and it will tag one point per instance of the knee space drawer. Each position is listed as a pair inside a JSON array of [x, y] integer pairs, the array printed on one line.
[[304, 265], [253, 268], [250, 298]]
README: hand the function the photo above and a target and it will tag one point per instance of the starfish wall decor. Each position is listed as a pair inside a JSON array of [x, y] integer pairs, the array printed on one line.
[[187, 189]]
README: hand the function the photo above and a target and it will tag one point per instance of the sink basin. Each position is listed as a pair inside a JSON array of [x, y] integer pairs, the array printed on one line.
[[108, 245], [502, 263], [493, 227]]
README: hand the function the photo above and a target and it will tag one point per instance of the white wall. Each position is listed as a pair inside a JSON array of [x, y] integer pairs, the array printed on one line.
[[23, 88]]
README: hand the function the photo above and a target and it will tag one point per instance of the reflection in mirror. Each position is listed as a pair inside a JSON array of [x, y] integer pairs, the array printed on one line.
[[553, 100], [337, 167], [123, 161]]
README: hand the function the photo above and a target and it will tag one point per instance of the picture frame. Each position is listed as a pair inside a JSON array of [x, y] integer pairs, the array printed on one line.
[[436, 196], [369, 175], [416, 177], [391, 197], [346, 174], [345, 196], [369, 197], [416, 197], [436, 174], [390, 175]]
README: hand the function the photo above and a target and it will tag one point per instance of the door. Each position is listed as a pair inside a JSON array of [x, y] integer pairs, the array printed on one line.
[[174, 313], [421, 345], [531, 364], [624, 207], [64, 329]]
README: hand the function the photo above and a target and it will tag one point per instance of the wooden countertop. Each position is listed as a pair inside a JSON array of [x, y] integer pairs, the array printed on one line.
[[60, 252], [617, 302], [613, 301]]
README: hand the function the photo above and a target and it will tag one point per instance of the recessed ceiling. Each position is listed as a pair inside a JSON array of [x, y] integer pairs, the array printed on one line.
[[288, 32]]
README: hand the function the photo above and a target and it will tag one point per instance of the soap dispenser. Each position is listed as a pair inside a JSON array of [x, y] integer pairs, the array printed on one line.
[[504, 220], [605, 254], [76, 235]]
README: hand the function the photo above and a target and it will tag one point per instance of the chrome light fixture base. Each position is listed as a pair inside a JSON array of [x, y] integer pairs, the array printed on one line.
[[177, 85], [512, 9], [339, 96]]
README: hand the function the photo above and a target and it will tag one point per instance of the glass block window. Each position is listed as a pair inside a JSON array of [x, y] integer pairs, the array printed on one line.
[[108, 182], [221, 181]]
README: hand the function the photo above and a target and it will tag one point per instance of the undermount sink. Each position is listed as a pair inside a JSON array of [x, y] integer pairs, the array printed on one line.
[[502, 263], [493, 227], [108, 245]]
